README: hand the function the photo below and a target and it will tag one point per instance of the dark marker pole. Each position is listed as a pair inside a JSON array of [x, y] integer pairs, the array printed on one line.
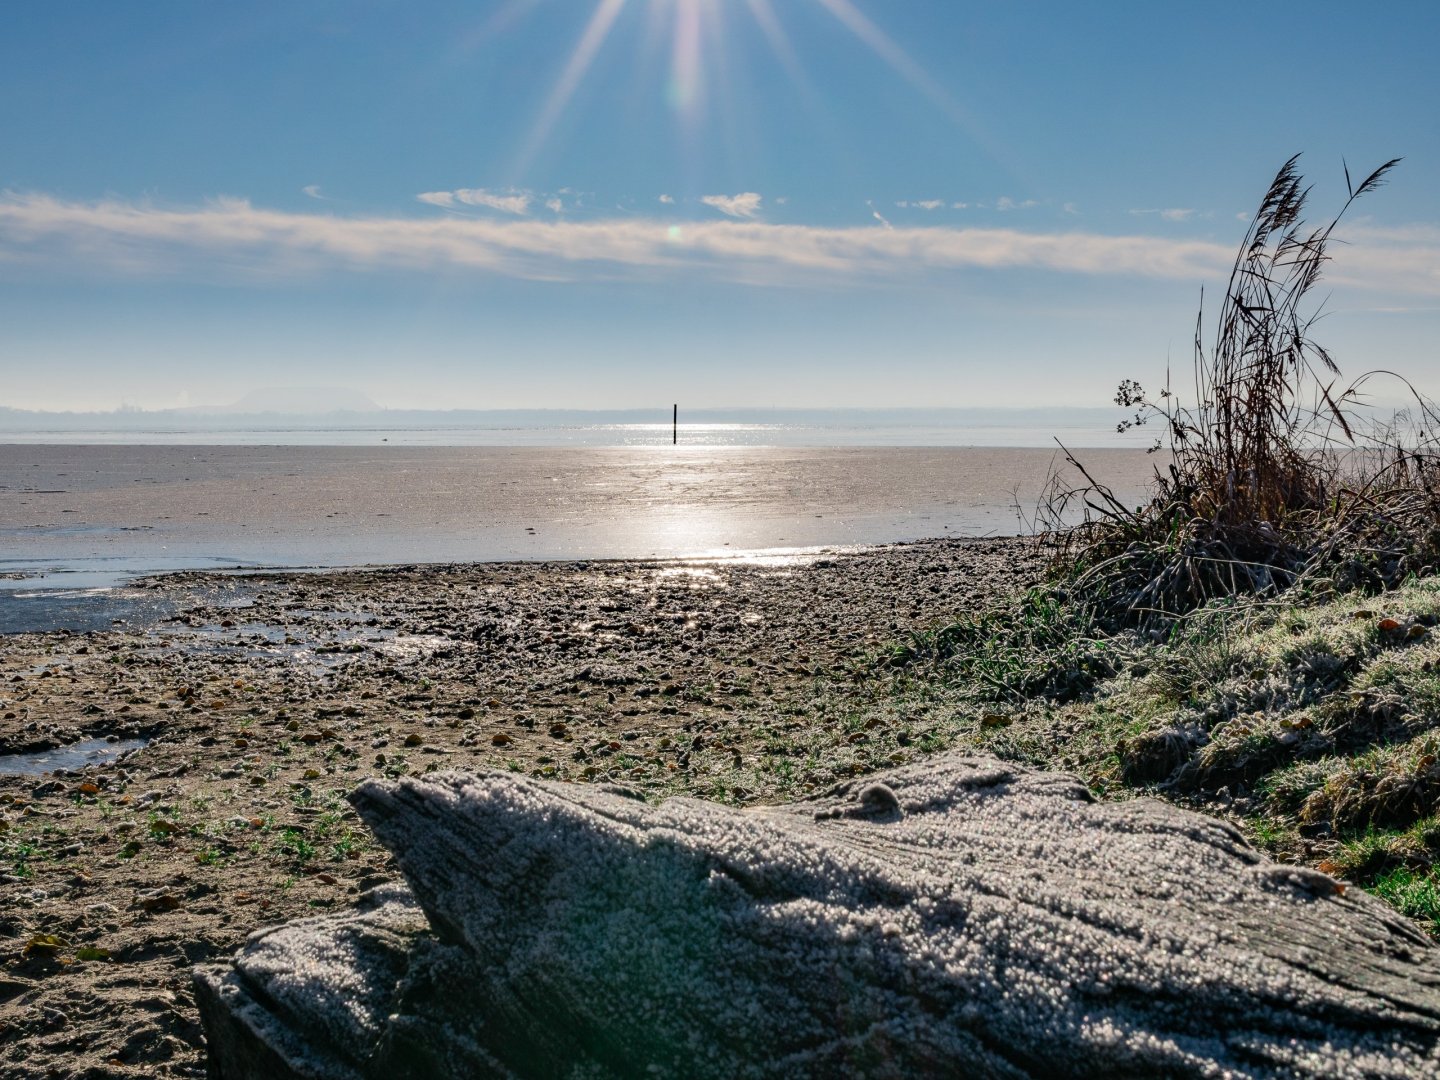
[[675, 426]]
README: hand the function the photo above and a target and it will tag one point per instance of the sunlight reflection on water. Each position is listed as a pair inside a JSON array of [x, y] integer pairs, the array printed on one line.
[[302, 506], [74, 756]]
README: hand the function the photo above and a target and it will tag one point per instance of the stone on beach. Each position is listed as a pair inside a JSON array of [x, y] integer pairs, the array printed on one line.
[[959, 916]]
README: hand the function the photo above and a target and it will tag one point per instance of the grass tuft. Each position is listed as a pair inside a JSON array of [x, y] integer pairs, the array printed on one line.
[[1042, 645], [1413, 893]]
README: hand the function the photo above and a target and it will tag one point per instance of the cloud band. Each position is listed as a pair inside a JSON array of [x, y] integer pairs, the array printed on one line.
[[232, 233]]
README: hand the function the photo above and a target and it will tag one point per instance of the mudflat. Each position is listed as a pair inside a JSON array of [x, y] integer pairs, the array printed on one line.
[[350, 505], [225, 731]]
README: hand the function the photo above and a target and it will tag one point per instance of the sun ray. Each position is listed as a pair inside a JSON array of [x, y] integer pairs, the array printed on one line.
[[494, 25], [685, 66], [900, 62], [697, 78], [780, 45], [596, 31], [883, 46]]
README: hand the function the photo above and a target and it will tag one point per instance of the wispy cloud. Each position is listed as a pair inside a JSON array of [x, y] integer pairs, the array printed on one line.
[[668, 200], [877, 215], [744, 205], [1174, 213], [921, 204], [231, 236], [511, 202], [1007, 203], [313, 190], [1408, 256], [1408, 235], [555, 204]]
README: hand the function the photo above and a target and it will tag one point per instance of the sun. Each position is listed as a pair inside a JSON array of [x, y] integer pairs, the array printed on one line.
[[692, 24]]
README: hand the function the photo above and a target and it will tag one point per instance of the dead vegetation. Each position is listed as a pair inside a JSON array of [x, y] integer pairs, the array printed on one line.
[[1277, 475], [1257, 638]]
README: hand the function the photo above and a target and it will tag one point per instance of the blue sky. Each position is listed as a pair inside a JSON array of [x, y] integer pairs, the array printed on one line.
[[607, 203]]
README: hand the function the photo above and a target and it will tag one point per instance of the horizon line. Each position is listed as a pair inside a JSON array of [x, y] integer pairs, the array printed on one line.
[[663, 411]]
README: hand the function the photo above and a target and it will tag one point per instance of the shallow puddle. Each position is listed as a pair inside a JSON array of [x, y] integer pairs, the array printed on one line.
[[84, 595], [74, 756]]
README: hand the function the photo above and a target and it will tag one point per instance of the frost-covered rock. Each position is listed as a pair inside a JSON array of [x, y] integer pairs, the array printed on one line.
[[958, 917], [311, 998]]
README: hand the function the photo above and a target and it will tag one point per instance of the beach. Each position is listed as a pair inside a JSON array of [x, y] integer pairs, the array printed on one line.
[[779, 421], [245, 707], [215, 644]]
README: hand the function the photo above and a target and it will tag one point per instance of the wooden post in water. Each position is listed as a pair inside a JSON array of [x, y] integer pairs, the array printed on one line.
[[675, 426]]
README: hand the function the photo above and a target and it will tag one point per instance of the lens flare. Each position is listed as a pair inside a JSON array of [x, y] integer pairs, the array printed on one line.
[[696, 32], [685, 68]]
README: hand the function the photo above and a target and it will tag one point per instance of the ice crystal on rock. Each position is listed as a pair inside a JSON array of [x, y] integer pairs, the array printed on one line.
[[961, 916]]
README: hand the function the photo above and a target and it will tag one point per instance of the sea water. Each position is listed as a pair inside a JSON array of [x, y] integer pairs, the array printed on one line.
[[78, 518]]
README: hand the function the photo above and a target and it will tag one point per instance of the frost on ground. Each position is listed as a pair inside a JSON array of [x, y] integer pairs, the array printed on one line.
[[958, 916]]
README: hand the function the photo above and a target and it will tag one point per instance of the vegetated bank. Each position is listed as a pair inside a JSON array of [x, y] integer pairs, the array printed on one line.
[[1259, 639]]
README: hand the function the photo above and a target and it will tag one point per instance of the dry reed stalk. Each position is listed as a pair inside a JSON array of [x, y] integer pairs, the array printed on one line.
[[1272, 477]]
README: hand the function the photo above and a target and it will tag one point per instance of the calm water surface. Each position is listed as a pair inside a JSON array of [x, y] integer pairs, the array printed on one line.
[[346, 505], [79, 518]]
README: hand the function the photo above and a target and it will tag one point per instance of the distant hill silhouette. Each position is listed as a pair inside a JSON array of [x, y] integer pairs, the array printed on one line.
[[300, 401]]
